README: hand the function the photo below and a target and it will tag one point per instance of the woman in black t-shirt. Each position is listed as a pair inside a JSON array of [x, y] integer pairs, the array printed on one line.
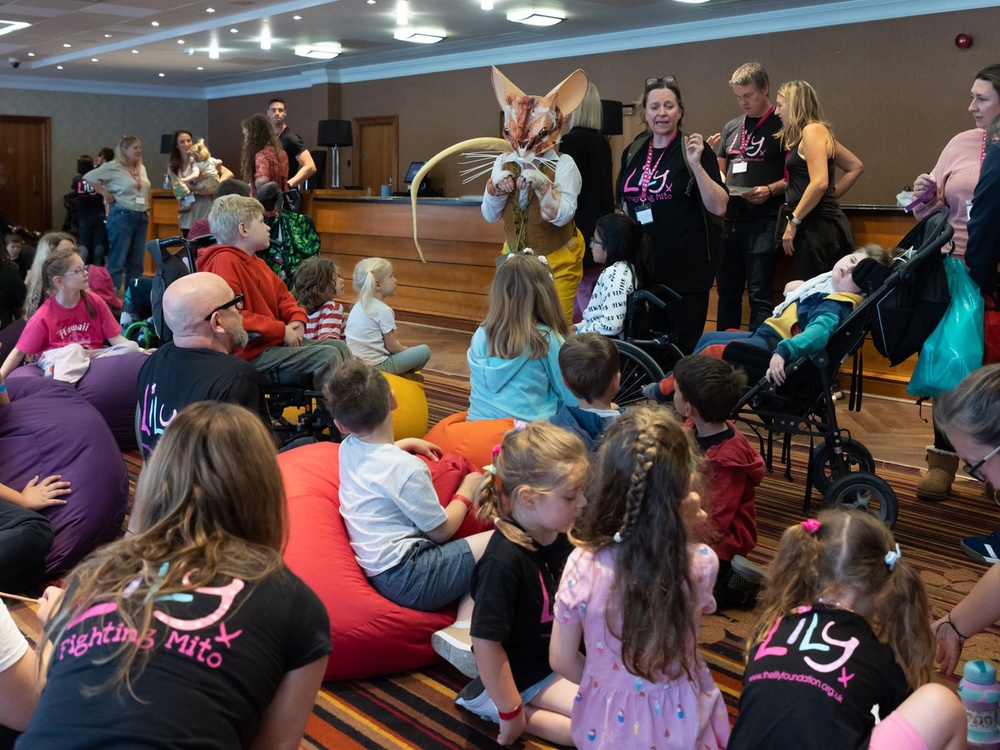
[[670, 183]]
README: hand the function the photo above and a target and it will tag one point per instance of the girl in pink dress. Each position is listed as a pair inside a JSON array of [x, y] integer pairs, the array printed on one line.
[[635, 591]]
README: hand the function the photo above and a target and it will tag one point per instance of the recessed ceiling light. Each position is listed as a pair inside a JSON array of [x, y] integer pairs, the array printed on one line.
[[107, 36], [135, 52], [180, 41], [94, 59], [419, 36], [208, 10], [296, 18], [371, 2], [402, 13], [536, 17], [265, 38], [6, 27], [319, 50], [31, 54], [67, 45], [486, 4], [161, 75], [59, 67], [213, 51], [155, 23], [234, 31], [200, 67]]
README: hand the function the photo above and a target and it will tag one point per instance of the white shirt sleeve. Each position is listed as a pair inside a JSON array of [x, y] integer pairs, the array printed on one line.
[[606, 312], [13, 645], [568, 181]]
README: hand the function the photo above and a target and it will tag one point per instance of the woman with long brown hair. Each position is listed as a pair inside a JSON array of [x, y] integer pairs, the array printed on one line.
[[192, 632], [262, 159]]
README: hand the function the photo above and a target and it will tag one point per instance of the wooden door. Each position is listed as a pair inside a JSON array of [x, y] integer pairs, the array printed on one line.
[[26, 152], [378, 152]]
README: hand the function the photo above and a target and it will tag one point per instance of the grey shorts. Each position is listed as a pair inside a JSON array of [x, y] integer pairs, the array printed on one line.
[[429, 576]]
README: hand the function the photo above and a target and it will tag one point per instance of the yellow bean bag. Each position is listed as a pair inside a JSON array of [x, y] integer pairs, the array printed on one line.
[[472, 440], [409, 419]]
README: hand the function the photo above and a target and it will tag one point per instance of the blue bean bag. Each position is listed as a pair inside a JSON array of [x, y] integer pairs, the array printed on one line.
[[49, 428]]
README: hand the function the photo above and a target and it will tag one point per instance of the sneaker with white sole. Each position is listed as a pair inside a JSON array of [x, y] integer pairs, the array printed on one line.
[[454, 645], [984, 549], [474, 698], [753, 574]]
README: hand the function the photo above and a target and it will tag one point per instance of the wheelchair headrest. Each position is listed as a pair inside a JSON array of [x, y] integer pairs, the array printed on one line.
[[268, 194], [869, 275]]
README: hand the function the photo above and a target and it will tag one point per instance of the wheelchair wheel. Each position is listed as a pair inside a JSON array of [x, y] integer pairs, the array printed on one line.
[[865, 492], [825, 471], [638, 370]]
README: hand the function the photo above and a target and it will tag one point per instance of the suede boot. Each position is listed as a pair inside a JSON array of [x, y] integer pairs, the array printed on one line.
[[936, 483]]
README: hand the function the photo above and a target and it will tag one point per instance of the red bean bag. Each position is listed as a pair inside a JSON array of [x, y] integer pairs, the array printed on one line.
[[473, 440], [111, 386], [48, 428], [370, 634]]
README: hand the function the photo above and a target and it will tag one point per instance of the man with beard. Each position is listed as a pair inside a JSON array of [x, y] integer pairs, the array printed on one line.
[[198, 365]]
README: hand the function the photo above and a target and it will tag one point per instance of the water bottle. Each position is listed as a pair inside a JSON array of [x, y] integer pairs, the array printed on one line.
[[980, 695]]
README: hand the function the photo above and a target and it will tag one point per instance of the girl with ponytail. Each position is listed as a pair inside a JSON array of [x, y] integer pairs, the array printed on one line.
[[532, 491], [635, 592], [845, 627]]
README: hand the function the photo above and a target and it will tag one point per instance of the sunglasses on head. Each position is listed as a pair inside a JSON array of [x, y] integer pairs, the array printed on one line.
[[668, 80]]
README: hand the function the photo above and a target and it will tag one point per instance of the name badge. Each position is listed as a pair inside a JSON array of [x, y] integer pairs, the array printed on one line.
[[644, 215], [739, 167], [140, 201], [189, 199], [968, 208]]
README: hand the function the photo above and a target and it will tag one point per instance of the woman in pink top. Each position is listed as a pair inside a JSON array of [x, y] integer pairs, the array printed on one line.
[[951, 183], [262, 160]]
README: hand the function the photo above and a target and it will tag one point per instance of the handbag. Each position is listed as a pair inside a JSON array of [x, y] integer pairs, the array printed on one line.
[[955, 347]]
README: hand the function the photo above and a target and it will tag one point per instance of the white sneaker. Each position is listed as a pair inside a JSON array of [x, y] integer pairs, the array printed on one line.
[[454, 645]]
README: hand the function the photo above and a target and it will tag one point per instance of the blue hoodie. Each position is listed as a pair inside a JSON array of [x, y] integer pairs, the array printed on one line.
[[522, 388]]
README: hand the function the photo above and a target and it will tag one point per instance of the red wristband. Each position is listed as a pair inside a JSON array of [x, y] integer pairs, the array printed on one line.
[[511, 715], [462, 499]]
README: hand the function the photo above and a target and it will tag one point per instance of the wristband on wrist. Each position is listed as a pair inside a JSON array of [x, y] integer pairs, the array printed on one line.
[[770, 193], [463, 500], [511, 715], [950, 624], [795, 220]]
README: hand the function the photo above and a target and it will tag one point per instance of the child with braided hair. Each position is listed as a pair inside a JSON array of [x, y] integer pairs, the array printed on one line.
[[845, 627], [533, 491], [635, 591]]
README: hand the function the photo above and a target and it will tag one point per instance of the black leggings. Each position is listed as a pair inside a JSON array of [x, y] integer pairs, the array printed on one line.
[[25, 539]]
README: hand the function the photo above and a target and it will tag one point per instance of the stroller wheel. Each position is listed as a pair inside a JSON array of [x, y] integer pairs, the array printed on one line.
[[828, 467], [864, 492], [638, 370]]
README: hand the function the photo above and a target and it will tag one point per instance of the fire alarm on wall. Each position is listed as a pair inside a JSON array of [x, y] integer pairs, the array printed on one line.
[[963, 41]]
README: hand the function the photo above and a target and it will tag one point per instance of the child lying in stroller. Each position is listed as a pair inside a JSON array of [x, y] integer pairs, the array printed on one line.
[[800, 326]]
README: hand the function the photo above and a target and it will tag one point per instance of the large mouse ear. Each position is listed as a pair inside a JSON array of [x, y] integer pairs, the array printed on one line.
[[570, 92], [503, 88]]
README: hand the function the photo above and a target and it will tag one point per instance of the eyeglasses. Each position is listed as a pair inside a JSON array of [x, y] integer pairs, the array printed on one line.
[[236, 302], [973, 470], [81, 271], [666, 79]]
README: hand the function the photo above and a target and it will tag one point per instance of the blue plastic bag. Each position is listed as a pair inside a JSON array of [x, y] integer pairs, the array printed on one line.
[[955, 348]]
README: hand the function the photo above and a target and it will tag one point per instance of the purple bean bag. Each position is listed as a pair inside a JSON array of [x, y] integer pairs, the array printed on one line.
[[49, 428], [111, 386]]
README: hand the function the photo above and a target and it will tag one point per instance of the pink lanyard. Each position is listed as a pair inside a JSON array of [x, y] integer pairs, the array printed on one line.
[[745, 137], [982, 152], [647, 171], [138, 179]]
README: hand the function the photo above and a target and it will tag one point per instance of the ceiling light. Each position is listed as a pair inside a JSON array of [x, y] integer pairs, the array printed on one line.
[[161, 75], [536, 17], [200, 67], [135, 52], [180, 41], [296, 18], [208, 10], [486, 4], [155, 23], [59, 67], [692, 2], [7, 27], [31, 54], [265, 38], [402, 13], [94, 59], [234, 31], [419, 36], [371, 2], [67, 45], [213, 51], [319, 50], [107, 36]]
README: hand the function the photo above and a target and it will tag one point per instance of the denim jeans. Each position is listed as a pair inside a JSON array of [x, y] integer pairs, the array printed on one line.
[[92, 235], [127, 240], [748, 258]]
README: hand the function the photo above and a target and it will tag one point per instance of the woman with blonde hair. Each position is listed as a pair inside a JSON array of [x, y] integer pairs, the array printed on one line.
[[192, 632], [50, 241], [124, 185], [816, 231], [262, 159]]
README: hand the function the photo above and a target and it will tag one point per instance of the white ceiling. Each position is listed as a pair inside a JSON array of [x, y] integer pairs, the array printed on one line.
[[131, 52]]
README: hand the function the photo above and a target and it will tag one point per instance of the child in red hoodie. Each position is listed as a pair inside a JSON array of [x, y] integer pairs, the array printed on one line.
[[706, 391]]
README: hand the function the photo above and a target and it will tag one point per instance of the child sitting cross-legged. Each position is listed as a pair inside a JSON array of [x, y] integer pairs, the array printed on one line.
[[533, 491], [591, 370], [400, 534], [705, 392]]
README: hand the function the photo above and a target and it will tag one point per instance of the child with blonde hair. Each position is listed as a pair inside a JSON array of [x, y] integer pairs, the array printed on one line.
[[635, 591], [845, 627], [317, 282], [533, 491], [371, 325], [514, 354]]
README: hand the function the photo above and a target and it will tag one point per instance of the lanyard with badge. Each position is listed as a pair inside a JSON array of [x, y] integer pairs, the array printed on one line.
[[982, 157], [140, 199], [644, 211], [740, 164]]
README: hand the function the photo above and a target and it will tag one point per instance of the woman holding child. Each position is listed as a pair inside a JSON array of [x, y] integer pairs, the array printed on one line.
[[199, 178], [670, 183]]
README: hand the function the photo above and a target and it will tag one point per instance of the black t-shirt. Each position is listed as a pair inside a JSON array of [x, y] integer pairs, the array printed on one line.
[[214, 666], [678, 233], [12, 293], [172, 377], [592, 154], [751, 140], [293, 146], [88, 201], [514, 590], [812, 683]]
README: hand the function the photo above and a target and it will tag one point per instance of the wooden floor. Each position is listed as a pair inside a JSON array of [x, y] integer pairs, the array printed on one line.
[[892, 429]]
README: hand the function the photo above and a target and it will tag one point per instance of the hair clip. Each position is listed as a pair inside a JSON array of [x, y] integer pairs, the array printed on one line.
[[811, 525], [519, 425], [490, 469], [617, 537], [891, 556], [496, 451]]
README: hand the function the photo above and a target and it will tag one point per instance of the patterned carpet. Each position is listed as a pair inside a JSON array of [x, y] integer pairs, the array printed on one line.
[[416, 709]]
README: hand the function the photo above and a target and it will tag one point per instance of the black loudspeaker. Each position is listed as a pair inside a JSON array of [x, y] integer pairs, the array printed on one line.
[[611, 117], [319, 159], [334, 133], [166, 143]]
